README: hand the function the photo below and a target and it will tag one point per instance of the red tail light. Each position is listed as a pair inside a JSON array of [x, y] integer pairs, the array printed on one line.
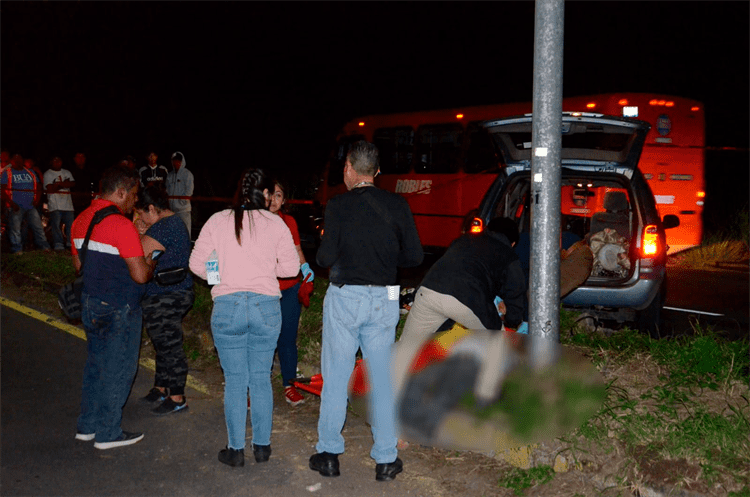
[[477, 225], [650, 246]]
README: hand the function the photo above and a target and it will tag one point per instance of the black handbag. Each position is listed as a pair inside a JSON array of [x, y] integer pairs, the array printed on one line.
[[171, 276], [69, 296]]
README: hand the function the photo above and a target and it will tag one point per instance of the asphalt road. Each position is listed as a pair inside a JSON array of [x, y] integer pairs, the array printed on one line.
[[708, 297], [41, 380]]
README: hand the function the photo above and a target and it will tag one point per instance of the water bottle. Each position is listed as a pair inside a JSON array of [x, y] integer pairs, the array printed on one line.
[[212, 269]]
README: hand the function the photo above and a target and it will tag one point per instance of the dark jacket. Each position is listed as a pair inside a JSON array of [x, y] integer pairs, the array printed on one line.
[[474, 270], [360, 245]]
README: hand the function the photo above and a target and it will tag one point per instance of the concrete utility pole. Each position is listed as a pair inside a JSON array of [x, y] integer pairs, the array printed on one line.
[[546, 140]]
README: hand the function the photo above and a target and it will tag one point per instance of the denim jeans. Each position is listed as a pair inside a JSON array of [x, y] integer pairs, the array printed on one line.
[[15, 218], [113, 338], [56, 218], [287, 345], [246, 328], [355, 317]]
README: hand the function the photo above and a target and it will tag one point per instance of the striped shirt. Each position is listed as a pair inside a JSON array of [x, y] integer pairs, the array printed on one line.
[[105, 272]]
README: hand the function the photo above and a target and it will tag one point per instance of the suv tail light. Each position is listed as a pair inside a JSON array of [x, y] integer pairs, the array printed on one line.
[[650, 246], [476, 225]]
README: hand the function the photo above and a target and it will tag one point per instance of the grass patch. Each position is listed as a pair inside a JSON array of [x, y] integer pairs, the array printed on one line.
[[713, 253], [729, 245], [52, 267], [519, 480], [203, 304], [310, 331], [689, 402]]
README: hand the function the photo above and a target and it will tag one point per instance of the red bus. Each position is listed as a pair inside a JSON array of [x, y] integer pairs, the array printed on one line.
[[443, 161]]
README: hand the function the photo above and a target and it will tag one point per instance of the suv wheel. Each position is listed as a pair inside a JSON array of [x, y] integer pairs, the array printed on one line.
[[649, 319]]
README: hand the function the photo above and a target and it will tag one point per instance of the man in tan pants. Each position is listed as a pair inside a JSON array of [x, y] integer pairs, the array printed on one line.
[[474, 276]]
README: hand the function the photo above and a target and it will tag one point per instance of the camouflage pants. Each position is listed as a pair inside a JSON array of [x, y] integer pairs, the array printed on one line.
[[162, 315]]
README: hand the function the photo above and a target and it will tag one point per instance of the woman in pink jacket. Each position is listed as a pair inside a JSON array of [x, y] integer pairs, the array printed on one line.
[[253, 248]]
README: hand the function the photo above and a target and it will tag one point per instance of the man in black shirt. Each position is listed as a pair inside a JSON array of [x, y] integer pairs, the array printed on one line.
[[86, 184], [152, 173], [368, 234]]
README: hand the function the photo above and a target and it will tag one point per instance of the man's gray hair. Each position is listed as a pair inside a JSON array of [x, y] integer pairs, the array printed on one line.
[[364, 158]]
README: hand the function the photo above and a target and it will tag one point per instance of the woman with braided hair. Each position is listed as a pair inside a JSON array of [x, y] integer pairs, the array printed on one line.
[[253, 248]]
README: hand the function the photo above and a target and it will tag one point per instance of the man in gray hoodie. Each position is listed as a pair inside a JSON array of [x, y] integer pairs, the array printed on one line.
[[180, 184]]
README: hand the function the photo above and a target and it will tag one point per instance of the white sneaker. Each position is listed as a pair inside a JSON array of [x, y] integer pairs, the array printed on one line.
[[126, 438]]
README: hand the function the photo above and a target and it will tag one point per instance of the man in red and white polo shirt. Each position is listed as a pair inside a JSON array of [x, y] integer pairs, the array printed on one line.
[[113, 275]]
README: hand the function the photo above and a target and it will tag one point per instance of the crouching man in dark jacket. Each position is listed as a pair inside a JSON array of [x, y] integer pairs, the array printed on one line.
[[462, 286]]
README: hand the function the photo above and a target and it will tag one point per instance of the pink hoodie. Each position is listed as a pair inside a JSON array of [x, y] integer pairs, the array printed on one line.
[[267, 253]]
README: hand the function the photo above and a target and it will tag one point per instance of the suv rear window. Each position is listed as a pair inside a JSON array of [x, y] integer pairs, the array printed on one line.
[[597, 208], [579, 141]]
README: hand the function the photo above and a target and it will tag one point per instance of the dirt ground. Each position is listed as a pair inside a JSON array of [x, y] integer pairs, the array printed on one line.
[[608, 470]]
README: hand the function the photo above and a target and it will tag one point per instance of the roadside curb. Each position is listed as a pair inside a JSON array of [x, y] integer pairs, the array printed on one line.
[[78, 332]]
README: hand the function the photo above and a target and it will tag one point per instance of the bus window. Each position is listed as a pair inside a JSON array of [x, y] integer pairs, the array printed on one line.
[[438, 148], [396, 148], [480, 152], [338, 159]]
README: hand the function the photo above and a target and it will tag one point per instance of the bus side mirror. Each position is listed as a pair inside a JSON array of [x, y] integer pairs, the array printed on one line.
[[670, 221]]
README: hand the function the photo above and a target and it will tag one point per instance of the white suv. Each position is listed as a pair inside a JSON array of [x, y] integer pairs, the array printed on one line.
[[604, 200]]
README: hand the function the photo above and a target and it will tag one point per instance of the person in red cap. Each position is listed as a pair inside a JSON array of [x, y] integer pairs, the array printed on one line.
[[292, 295]]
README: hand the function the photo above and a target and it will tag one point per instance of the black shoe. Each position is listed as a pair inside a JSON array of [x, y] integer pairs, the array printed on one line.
[[170, 406], [155, 395], [325, 463], [261, 452], [232, 457], [388, 471]]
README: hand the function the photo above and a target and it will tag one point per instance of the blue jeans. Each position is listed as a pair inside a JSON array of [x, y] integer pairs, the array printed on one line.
[[113, 339], [59, 240], [246, 328], [287, 344], [15, 218], [358, 317]]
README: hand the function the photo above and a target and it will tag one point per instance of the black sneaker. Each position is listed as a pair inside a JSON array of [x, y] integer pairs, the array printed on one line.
[[170, 406], [155, 395], [388, 471], [126, 438], [232, 457], [325, 463], [261, 452]]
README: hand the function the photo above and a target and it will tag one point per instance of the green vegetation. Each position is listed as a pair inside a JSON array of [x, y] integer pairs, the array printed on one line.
[[519, 480], [728, 246], [710, 255], [51, 267], [692, 405]]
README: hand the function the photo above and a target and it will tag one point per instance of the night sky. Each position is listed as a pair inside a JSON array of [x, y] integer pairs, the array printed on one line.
[[235, 84]]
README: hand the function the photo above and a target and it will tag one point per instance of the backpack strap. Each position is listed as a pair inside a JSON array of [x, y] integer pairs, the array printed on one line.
[[98, 218]]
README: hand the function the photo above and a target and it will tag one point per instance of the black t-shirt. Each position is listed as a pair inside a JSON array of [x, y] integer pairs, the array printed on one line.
[[86, 185], [155, 176], [360, 246]]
